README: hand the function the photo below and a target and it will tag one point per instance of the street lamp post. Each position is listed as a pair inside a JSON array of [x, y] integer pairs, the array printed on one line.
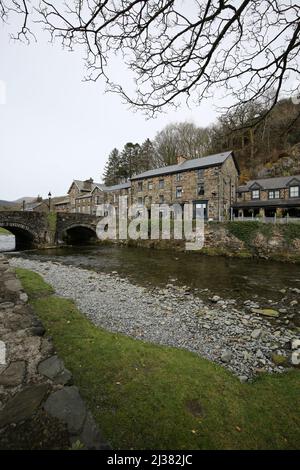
[[49, 198]]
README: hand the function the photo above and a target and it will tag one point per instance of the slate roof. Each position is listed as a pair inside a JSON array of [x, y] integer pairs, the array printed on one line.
[[203, 162], [63, 201], [270, 183], [32, 205], [84, 185], [117, 186], [84, 196]]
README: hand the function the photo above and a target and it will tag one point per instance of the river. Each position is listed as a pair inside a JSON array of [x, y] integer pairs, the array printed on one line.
[[236, 278]]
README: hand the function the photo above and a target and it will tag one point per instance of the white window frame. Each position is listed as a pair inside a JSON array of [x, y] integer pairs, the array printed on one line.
[[292, 188], [255, 191]]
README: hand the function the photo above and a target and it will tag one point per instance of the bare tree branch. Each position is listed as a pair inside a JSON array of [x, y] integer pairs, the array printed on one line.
[[249, 49]]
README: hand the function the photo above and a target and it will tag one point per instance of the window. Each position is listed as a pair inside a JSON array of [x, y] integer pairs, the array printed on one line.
[[178, 177], [200, 189], [161, 184], [294, 191], [161, 199], [200, 174], [140, 186], [150, 185], [179, 191], [274, 194], [140, 201], [255, 194]]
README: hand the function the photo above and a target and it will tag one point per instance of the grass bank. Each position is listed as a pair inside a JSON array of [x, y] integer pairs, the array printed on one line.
[[4, 232], [146, 396]]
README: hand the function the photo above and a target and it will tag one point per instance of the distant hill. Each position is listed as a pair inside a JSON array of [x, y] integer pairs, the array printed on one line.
[[26, 199], [6, 203]]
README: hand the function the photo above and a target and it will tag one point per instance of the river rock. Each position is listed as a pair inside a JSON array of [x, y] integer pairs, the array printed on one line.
[[293, 303], [296, 290], [267, 312], [215, 299], [226, 356], [295, 357], [256, 333], [295, 344]]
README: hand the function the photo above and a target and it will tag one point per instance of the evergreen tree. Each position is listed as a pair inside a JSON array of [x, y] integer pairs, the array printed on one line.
[[112, 169], [130, 158]]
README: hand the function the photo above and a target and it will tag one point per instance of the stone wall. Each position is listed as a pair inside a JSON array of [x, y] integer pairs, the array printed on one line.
[[240, 239], [40, 408]]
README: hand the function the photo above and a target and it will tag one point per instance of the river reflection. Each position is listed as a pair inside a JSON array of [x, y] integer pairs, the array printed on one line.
[[228, 277]]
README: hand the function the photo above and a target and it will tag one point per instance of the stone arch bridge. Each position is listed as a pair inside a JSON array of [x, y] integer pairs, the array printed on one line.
[[39, 229]]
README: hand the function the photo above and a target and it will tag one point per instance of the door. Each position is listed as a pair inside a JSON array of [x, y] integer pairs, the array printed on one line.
[[200, 208]]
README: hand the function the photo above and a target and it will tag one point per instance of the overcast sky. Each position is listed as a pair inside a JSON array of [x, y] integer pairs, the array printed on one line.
[[56, 128]]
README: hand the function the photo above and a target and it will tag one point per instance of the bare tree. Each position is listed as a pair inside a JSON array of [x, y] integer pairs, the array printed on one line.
[[182, 138], [177, 48]]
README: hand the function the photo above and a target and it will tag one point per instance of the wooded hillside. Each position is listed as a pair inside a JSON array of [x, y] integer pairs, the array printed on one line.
[[264, 147]]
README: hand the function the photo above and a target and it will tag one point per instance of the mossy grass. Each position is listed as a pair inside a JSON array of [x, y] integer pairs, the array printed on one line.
[[4, 232], [145, 396], [247, 231], [52, 218]]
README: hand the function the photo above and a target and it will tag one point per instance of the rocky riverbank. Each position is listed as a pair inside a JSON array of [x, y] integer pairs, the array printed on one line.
[[40, 408], [247, 340]]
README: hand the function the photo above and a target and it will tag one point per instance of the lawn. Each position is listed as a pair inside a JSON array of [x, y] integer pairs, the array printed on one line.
[[145, 396]]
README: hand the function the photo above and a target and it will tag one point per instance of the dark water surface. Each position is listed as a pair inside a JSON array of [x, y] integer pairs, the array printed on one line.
[[227, 277]]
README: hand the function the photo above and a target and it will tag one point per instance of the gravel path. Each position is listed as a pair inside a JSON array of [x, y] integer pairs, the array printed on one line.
[[241, 341]]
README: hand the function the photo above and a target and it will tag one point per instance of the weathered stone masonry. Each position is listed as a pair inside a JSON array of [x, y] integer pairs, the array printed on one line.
[[40, 408]]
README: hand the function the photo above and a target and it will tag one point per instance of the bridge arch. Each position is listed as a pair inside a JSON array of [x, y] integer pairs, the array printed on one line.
[[25, 237], [79, 234]]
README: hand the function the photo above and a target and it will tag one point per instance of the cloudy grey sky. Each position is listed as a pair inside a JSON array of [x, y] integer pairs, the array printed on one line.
[[54, 127]]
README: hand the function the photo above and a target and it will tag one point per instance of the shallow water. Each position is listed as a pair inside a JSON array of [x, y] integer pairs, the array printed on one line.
[[7, 242], [228, 277]]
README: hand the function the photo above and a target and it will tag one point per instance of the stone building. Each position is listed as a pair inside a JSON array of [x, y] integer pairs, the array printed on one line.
[[269, 197], [80, 195], [209, 183], [112, 193], [85, 196], [37, 206], [61, 204]]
